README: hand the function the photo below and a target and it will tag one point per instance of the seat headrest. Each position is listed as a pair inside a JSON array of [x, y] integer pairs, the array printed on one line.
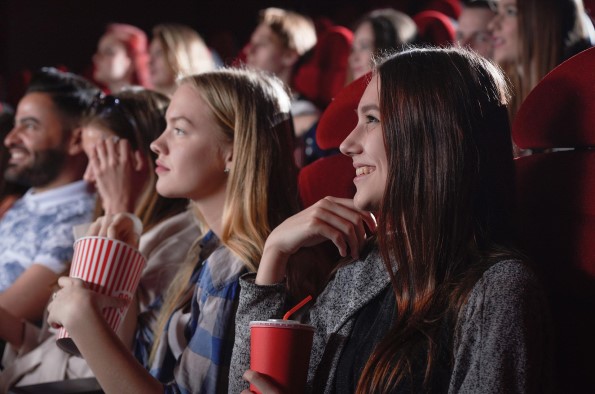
[[324, 74], [560, 111], [435, 28], [340, 117]]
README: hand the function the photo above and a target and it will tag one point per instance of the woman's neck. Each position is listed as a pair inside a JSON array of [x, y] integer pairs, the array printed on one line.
[[211, 209]]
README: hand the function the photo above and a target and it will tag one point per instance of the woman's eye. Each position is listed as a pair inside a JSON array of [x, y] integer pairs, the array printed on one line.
[[178, 131], [371, 119], [510, 11]]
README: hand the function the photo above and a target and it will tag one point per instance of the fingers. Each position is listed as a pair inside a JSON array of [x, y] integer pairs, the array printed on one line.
[[261, 382], [124, 228], [366, 216], [344, 225], [67, 281], [111, 152], [94, 228]]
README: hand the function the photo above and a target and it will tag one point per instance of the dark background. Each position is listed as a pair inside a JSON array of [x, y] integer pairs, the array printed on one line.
[[37, 33]]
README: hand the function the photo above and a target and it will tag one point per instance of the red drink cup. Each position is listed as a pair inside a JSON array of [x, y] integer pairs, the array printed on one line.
[[280, 349], [109, 267]]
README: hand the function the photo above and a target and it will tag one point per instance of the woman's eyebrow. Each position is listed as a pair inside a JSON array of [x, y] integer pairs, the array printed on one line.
[[369, 107]]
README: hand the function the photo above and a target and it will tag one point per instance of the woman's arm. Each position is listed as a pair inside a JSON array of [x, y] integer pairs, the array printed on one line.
[[27, 297], [334, 219], [263, 297], [79, 311], [256, 303], [11, 329]]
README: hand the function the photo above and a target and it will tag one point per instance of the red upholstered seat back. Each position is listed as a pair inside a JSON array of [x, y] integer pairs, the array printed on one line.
[[333, 175], [556, 208], [435, 28], [324, 74]]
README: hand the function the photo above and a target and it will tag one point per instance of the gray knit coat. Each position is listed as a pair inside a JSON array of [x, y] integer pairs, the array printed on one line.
[[502, 336]]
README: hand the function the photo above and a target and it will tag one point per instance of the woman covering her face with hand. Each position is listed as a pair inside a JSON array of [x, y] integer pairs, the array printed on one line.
[[227, 147], [436, 301]]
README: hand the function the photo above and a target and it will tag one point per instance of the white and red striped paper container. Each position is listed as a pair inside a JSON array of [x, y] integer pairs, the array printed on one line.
[[109, 267]]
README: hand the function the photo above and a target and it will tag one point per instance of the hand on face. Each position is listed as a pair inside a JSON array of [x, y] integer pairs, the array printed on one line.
[[115, 168], [73, 301], [334, 219]]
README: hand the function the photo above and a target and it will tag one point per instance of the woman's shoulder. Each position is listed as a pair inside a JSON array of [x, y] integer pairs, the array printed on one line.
[[224, 268], [507, 275], [508, 287]]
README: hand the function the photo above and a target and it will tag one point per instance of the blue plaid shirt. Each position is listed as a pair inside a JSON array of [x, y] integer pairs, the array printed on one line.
[[195, 349]]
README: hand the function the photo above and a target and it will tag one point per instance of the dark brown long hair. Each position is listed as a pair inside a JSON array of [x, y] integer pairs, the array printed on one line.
[[446, 203]]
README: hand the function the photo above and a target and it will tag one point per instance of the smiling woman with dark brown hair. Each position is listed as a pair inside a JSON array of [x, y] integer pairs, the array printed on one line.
[[437, 301]]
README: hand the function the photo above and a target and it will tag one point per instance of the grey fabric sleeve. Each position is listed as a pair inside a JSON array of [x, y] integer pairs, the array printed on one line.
[[256, 303], [503, 336]]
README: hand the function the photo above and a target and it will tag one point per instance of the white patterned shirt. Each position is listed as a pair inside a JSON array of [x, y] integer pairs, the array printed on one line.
[[38, 230]]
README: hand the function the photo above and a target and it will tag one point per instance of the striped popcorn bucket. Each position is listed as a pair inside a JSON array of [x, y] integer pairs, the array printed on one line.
[[109, 267]]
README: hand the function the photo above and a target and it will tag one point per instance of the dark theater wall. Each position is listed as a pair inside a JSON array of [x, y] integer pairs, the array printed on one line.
[[37, 33]]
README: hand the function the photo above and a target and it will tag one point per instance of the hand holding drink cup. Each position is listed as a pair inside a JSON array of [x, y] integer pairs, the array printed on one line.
[[280, 354], [104, 275]]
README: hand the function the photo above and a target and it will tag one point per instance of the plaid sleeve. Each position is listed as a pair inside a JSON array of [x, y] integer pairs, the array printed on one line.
[[204, 364]]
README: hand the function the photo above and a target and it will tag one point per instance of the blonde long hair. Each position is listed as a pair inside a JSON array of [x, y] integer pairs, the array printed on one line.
[[252, 110], [184, 49]]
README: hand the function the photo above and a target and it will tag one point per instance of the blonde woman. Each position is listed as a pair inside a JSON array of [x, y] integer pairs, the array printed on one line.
[[176, 51], [227, 147]]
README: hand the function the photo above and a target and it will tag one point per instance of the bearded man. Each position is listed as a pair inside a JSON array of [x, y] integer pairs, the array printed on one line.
[[46, 154]]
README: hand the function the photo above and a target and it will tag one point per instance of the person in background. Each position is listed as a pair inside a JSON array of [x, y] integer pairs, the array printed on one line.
[[227, 147], [378, 32], [116, 137], [9, 191], [46, 153], [531, 37], [176, 51], [277, 45], [437, 300], [472, 27], [122, 58]]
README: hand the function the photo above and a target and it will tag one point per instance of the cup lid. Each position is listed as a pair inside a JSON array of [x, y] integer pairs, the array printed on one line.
[[280, 323]]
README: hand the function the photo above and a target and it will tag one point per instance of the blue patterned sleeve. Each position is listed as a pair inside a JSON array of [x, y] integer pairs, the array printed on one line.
[[204, 364]]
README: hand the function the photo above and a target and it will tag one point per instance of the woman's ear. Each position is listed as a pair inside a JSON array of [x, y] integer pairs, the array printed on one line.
[[228, 156], [75, 142]]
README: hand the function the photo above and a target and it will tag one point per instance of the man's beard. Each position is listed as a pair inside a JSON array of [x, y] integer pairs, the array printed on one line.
[[45, 168]]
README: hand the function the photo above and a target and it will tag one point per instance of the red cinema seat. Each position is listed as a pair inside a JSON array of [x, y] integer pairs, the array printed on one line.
[[435, 28], [324, 74], [556, 208], [333, 175]]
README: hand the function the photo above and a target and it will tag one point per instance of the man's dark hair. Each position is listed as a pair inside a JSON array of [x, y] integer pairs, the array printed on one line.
[[72, 94]]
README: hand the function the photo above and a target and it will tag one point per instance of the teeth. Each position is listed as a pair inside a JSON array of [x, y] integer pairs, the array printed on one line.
[[17, 155], [364, 170]]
